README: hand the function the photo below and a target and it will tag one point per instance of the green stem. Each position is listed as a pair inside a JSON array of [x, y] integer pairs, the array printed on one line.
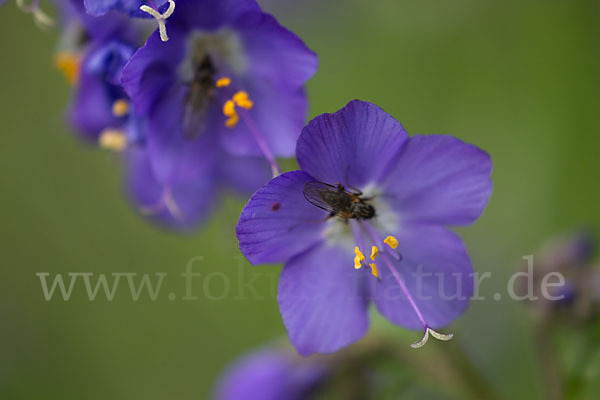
[[445, 364]]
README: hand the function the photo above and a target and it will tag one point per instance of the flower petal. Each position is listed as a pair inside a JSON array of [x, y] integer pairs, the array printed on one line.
[[210, 15], [437, 273], [322, 301], [353, 146], [91, 109], [178, 157], [270, 374], [275, 55], [440, 179], [151, 70], [278, 222], [244, 174], [193, 199]]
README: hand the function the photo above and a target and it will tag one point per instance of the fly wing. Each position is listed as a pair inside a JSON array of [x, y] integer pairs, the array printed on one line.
[[194, 122], [196, 111], [317, 193]]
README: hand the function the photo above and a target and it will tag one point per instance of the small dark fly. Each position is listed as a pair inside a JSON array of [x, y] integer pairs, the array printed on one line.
[[200, 94], [336, 200]]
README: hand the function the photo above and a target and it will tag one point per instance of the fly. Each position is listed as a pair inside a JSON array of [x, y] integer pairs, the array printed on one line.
[[199, 97], [337, 201]]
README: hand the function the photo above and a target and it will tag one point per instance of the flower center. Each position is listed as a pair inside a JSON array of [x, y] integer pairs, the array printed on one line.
[[212, 71]]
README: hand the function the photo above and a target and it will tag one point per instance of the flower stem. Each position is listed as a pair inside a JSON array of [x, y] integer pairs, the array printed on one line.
[[548, 362], [443, 364], [260, 141]]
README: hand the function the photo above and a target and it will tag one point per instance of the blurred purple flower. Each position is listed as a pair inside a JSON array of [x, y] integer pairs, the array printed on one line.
[[92, 53], [270, 374], [571, 256], [415, 186], [226, 89]]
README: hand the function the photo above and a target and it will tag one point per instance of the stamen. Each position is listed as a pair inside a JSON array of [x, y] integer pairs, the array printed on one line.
[[160, 18], [120, 108], [41, 19], [172, 206], [425, 338], [391, 241], [232, 121], [112, 139], [359, 253], [167, 200], [68, 63], [374, 270], [241, 99], [229, 108], [360, 258], [374, 252], [223, 82]]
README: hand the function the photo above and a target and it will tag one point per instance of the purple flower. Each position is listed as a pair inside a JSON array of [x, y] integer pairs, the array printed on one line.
[[130, 7], [93, 52], [225, 91], [270, 374], [365, 220], [575, 297]]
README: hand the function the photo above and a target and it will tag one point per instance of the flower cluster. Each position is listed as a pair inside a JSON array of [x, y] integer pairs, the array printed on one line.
[[207, 103], [208, 96]]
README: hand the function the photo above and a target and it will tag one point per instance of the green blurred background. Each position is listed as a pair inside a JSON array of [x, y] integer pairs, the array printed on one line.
[[518, 78]]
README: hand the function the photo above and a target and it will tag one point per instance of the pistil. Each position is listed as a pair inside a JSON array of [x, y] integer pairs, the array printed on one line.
[[160, 18], [261, 142], [236, 109], [167, 200], [392, 243], [41, 19]]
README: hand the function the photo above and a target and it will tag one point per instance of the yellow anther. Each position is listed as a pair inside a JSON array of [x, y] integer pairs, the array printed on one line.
[[232, 121], [112, 139], [241, 99], [223, 82], [229, 108], [374, 270], [120, 108], [391, 241], [359, 253], [68, 63], [374, 251], [357, 263]]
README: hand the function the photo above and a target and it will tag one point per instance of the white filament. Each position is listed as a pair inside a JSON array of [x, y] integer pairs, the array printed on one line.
[[437, 335], [160, 18], [41, 19]]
